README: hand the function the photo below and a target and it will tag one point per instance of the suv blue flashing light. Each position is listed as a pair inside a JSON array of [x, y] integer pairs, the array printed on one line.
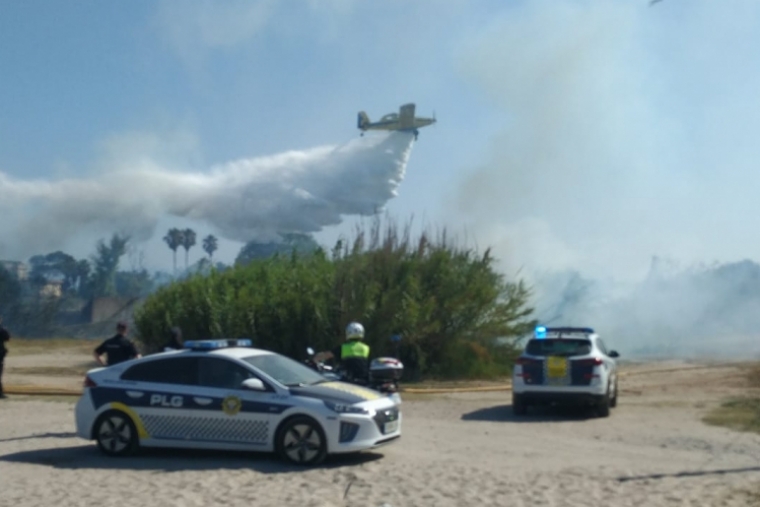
[[540, 332], [217, 344]]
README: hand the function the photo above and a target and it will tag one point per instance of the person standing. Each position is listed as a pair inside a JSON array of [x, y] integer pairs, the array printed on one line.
[[175, 340], [5, 336], [118, 348]]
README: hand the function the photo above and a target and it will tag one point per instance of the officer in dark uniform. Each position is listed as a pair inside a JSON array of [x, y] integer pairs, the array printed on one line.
[[175, 340], [118, 348], [4, 337], [353, 354]]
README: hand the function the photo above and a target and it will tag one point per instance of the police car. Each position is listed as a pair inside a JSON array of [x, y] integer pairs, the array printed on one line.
[[224, 394], [567, 365]]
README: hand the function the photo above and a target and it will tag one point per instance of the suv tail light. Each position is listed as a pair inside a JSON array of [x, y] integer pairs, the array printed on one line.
[[594, 361], [88, 382]]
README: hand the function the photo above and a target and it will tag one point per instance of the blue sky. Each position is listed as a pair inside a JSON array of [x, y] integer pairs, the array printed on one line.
[[571, 133]]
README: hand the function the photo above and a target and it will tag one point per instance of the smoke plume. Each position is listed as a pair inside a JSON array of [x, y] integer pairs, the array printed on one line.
[[255, 198], [631, 133]]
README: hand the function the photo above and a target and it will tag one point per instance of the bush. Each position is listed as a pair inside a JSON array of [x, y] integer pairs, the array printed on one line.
[[448, 303]]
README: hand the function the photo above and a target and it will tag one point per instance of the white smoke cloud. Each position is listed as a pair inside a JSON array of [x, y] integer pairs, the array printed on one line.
[[629, 130], [631, 134], [256, 198]]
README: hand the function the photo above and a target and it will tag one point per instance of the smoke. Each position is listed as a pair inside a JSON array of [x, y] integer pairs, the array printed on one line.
[[631, 134], [255, 198], [686, 312]]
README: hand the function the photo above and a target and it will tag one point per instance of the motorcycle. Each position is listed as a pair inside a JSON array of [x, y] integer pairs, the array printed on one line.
[[383, 376], [326, 370]]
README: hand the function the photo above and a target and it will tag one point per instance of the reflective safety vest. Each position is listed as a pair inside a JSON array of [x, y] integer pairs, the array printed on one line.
[[354, 348]]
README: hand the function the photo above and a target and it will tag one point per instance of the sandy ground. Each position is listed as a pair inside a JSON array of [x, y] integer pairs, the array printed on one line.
[[456, 450]]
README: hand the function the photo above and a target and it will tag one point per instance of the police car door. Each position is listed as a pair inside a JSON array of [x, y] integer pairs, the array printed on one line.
[[234, 415], [160, 391]]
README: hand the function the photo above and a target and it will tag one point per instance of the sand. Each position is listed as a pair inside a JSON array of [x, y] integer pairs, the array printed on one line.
[[456, 450]]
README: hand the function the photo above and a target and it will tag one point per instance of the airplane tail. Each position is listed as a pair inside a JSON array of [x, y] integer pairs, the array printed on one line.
[[361, 120]]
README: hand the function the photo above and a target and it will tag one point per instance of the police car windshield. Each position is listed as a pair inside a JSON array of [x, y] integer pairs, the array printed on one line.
[[285, 370], [558, 347]]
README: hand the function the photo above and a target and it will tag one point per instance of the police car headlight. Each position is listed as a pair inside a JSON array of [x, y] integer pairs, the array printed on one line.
[[342, 408]]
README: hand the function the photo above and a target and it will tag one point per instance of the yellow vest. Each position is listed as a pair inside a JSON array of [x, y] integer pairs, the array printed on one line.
[[354, 348]]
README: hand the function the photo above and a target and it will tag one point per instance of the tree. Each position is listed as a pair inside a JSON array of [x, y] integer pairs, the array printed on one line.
[[174, 238], [10, 293], [300, 243], [188, 241], [210, 246], [83, 277], [55, 265], [106, 263]]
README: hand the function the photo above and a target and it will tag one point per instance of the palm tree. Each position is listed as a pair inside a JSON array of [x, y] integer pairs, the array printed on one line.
[[210, 246], [175, 238], [188, 240]]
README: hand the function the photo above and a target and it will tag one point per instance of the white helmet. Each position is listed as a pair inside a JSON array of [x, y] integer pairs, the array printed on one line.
[[354, 331]]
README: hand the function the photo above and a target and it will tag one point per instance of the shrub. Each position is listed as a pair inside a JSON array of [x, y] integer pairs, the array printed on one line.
[[448, 303]]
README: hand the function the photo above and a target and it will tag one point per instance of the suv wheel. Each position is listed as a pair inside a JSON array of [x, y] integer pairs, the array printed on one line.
[[603, 408], [518, 405], [613, 401]]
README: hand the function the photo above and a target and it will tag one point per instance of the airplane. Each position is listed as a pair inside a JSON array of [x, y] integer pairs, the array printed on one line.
[[404, 121]]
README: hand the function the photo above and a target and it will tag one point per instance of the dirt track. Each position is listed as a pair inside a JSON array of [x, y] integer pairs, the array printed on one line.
[[457, 449]]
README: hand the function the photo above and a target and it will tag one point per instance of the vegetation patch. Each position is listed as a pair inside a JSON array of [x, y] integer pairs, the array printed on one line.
[[51, 371], [741, 414], [446, 303], [754, 376]]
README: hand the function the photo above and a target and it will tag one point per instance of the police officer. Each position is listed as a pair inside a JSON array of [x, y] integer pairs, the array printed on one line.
[[118, 348], [353, 354], [4, 337]]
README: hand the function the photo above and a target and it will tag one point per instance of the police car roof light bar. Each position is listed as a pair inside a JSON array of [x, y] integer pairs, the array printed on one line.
[[217, 344]]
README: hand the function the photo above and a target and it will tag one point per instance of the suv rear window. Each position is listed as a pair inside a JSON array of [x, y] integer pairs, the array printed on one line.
[[558, 347]]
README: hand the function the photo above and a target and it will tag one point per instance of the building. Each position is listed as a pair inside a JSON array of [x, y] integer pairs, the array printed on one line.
[[19, 270], [51, 289]]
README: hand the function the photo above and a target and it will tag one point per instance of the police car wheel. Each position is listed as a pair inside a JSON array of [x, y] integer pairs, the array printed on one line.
[[115, 433], [301, 441]]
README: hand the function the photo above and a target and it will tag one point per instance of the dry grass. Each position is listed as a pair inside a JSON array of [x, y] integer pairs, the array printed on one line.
[[52, 371], [741, 414], [29, 346], [45, 397], [754, 376]]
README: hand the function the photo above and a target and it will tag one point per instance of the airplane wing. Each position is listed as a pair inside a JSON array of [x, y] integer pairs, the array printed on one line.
[[406, 116]]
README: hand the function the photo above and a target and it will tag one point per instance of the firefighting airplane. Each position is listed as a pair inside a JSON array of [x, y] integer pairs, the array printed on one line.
[[404, 120]]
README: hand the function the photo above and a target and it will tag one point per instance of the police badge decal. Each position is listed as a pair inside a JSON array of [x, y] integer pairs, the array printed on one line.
[[231, 405]]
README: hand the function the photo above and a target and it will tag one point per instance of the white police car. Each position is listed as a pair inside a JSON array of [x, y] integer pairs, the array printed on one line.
[[565, 365], [222, 394]]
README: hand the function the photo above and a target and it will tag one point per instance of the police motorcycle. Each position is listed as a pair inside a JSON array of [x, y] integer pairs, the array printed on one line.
[[384, 373], [326, 370]]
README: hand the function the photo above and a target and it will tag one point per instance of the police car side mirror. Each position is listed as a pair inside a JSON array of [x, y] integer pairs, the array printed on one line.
[[613, 353], [253, 384]]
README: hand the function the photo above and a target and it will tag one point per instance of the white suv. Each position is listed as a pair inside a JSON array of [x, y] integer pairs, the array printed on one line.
[[565, 365]]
